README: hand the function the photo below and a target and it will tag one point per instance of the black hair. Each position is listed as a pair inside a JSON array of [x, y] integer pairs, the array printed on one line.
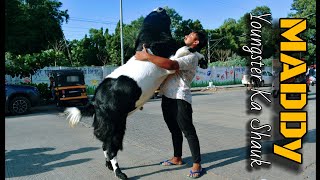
[[202, 37]]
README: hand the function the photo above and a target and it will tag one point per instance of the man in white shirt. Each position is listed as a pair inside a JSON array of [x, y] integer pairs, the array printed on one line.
[[177, 99]]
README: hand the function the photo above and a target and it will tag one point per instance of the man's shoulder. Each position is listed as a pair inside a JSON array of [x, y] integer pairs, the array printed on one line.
[[199, 55], [183, 51]]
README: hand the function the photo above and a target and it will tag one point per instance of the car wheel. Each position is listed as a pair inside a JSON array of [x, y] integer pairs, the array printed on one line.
[[85, 102], [59, 103], [275, 93], [19, 105]]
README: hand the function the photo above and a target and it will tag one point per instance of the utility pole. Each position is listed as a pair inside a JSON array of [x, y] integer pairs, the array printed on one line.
[[209, 48], [121, 35]]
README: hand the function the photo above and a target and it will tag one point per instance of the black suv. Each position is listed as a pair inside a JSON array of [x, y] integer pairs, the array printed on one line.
[[20, 98]]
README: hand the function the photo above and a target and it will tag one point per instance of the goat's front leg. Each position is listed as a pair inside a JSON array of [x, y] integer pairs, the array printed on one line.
[[115, 166]]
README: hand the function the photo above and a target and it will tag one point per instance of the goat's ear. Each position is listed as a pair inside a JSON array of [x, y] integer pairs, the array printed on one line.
[[147, 45], [137, 42], [202, 63]]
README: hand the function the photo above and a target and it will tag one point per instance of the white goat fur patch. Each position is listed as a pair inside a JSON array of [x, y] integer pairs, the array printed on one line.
[[114, 162], [147, 75]]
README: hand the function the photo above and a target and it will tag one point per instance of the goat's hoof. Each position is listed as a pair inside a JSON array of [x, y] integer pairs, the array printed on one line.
[[109, 165], [120, 174]]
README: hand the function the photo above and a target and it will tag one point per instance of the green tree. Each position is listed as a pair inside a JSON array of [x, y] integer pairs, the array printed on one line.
[[306, 9], [130, 33], [180, 27], [115, 48], [93, 49], [32, 25], [184, 28], [97, 46], [175, 17], [77, 52], [224, 40], [266, 34], [60, 47], [261, 10], [28, 64], [229, 31]]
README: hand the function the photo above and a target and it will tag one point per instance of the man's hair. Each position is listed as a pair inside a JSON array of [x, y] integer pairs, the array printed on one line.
[[202, 37]]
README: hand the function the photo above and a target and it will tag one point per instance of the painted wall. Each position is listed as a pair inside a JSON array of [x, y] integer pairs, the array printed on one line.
[[94, 75]]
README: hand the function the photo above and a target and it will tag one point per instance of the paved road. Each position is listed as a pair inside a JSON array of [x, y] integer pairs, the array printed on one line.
[[41, 145]]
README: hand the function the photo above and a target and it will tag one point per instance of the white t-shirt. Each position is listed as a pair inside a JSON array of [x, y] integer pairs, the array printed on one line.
[[178, 85]]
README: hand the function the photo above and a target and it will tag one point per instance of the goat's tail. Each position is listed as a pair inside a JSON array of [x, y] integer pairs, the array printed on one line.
[[75, 114]]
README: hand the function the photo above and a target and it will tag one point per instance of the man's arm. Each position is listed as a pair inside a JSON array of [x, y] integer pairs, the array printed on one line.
[[163, 62], [157, 60]]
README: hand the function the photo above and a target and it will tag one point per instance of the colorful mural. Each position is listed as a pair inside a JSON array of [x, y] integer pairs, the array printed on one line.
[[218, 76], [94, 75]]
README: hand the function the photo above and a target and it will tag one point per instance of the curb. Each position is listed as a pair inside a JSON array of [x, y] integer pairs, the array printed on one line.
[[195, 89]]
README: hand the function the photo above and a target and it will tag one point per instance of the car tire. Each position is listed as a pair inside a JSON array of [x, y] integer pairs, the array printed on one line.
[[59, 103], [85, 102], [275, 93], [19, 105]]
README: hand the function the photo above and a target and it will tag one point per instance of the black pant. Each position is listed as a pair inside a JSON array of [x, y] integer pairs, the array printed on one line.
[[178, 117]]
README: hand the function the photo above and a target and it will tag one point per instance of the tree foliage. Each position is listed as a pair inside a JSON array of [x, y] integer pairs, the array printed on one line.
[[34, 38], [307, 9], [31, 25], [24, 65]]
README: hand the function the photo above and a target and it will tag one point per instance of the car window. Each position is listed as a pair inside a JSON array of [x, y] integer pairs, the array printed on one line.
[[263, 73], [269, 74]]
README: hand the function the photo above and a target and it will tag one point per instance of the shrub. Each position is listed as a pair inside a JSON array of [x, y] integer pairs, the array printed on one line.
[[236, 60], [267, 62], [91, 90]]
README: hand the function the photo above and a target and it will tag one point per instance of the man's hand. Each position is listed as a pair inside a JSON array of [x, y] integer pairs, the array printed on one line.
[[157, 60], [142, 55]]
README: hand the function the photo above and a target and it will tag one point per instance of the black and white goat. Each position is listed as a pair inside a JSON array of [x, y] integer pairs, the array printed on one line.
[[128, 88]]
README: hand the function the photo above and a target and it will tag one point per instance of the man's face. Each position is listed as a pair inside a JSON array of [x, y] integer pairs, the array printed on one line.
[[191, 40]]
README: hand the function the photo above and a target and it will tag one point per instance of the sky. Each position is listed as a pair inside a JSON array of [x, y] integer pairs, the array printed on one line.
[[86, 14]]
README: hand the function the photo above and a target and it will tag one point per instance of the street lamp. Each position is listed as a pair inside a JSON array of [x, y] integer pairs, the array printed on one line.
[[121, 35]]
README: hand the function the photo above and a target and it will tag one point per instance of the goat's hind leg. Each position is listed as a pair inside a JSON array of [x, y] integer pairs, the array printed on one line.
[[108, 162], [112, 151]]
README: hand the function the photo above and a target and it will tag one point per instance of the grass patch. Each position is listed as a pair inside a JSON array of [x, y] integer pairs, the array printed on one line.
[[216, 83], [200, 84], [91, 90]]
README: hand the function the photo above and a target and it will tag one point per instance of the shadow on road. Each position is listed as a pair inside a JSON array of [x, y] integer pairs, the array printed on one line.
[[313, 98], [166, 169], [33, 161], [226, 157], [38, 111]]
